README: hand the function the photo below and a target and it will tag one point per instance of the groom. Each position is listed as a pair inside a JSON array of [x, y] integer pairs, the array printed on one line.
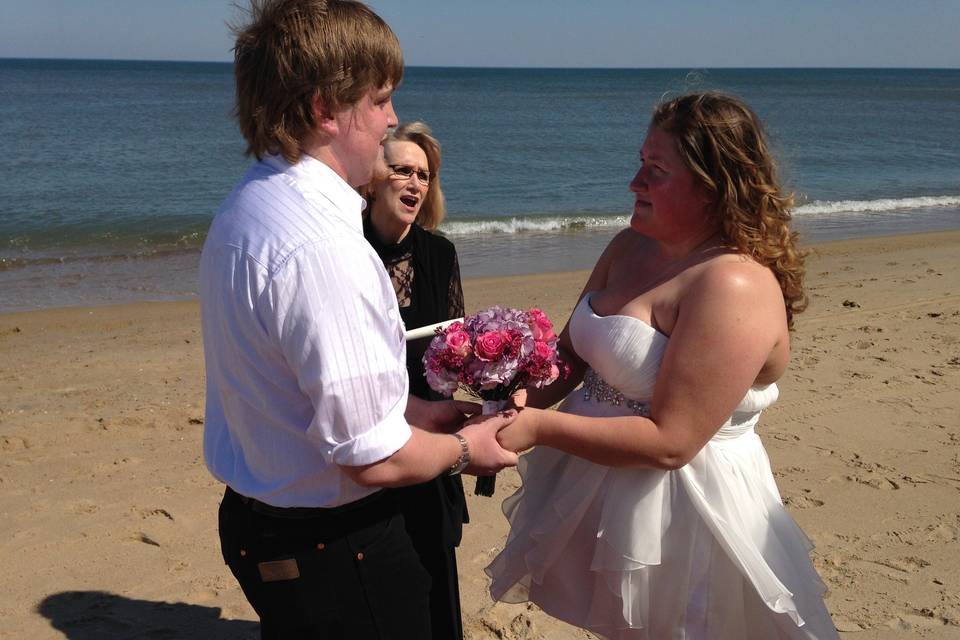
[[307, 412]]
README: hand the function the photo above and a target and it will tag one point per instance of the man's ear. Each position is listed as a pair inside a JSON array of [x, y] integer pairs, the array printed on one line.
[[323, 116]]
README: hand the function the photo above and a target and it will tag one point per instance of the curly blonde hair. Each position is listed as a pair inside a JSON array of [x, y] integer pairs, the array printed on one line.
[[724, 145]]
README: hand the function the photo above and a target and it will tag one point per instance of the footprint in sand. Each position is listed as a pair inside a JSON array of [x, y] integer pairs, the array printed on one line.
[[148, 513], [860, 463], [84, 507], [903, 566], [837, 569], [522, 626], [802, 502], [869, 329], [13, 443], [942, 532], [846, 625], [789, 471], [785, 437], [875, 483], [917, 619]]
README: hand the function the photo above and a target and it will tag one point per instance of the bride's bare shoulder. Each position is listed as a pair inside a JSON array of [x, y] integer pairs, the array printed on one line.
[[733, 269], [737, 281]]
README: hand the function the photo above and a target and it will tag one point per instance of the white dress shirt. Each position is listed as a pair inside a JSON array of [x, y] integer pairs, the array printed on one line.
[[302, 337]]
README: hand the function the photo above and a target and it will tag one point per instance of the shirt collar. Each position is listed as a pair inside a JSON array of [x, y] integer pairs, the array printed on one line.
[[320, 184]]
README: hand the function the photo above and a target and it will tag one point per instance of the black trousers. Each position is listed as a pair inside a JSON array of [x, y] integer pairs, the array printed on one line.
[[349, 572], [434, 513]]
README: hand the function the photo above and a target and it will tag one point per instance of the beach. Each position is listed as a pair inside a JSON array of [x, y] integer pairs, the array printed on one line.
[[109, 516]]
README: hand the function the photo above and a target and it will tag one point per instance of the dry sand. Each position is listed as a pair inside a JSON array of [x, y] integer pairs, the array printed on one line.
[[108, 526]]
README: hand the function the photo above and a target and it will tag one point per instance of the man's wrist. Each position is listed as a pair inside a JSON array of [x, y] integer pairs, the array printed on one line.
[[463, 459]]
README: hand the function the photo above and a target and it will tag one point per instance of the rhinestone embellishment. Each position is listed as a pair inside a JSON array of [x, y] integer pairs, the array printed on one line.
[[595, 388]]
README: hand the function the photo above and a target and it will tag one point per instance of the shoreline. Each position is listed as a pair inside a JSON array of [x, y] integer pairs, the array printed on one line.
[[172, 276], [484, 283], [104, 482]]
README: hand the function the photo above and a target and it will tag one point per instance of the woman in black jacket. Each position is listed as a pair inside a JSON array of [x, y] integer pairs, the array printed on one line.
[[404, 205]]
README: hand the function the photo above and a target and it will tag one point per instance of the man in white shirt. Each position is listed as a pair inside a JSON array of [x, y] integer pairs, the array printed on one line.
[[307, 409]]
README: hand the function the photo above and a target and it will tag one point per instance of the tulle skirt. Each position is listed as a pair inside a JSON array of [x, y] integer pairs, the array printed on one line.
[[704, 552]]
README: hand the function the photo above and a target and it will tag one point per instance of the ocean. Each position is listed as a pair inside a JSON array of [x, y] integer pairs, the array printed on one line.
[[114, 169]]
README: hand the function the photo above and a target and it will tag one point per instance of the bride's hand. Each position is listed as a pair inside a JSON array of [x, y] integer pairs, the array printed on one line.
[[521, 434]]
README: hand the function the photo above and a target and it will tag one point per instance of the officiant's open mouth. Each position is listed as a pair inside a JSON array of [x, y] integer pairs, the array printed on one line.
[[410, 202]]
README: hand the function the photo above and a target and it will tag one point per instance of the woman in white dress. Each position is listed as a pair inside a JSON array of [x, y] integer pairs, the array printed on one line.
[[649, 510]]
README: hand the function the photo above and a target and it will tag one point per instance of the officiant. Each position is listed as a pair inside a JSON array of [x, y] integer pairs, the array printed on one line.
[[405, 205]]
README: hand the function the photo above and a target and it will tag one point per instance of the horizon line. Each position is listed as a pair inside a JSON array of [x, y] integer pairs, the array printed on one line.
[[504, 67]]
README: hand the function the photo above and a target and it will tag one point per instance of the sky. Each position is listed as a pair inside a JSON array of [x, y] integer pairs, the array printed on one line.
[[527, 33]]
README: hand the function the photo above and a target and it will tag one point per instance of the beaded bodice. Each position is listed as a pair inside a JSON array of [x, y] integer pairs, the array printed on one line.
[[624, 354]]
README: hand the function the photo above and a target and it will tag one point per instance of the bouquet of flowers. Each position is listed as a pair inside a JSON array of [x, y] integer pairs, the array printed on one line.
[[492, 354]]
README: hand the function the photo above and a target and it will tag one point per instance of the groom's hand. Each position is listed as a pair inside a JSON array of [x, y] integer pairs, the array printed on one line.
[[486, 455], [442, 416]]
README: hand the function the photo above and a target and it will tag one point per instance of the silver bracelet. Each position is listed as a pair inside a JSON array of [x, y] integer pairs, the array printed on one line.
[[464, 458]]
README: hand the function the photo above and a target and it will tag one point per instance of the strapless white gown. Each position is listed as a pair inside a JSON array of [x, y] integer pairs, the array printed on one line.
[[707, 551]]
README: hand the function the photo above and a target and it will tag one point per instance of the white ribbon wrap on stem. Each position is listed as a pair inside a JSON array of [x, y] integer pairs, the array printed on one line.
[[429, 330]]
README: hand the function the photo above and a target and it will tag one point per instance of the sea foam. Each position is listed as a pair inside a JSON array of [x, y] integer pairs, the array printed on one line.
[[597, 222], [531, 224], [882, 204]]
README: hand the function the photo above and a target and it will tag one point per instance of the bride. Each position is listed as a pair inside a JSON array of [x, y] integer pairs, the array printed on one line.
[[649, 511]]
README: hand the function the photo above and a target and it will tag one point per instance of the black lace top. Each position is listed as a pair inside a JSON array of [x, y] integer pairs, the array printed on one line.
[[425, 274], [426, 277]]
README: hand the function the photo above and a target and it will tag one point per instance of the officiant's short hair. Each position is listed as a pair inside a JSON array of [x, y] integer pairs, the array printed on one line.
[[292, 50]]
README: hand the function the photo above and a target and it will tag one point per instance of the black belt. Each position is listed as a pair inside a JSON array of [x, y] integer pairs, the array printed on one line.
[[376, 506]]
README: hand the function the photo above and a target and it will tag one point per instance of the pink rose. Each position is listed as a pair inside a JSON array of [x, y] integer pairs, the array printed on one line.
[[490, 345], [458, 342], [554, 374], [540, 325], [543, 350]]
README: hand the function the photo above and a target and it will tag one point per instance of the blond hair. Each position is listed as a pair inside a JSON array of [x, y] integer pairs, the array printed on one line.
[[434, 206], [724, 145], [292, 50]]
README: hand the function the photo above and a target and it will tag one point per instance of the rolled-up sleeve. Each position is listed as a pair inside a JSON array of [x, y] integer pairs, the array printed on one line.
[[338, 328]]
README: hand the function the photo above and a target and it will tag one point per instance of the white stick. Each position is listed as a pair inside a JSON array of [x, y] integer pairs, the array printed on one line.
[[429, 330]]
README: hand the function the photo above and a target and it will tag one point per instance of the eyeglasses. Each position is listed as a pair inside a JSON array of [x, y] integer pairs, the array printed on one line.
[[403, 172]]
